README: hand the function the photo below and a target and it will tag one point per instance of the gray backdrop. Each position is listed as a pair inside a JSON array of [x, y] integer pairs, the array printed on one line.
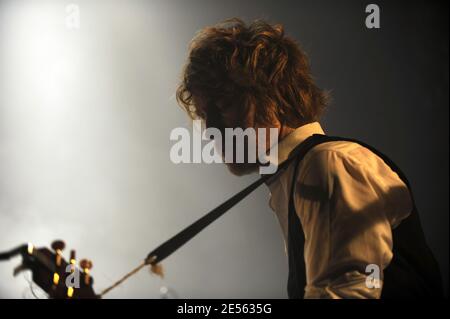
[[85, 118]]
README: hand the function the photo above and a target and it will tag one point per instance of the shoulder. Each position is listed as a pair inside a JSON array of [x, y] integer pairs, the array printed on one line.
[[331, 156], [338, 162], [327, 156], [357, 176]]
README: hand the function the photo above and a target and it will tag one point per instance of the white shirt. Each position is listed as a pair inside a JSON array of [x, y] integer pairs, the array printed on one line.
[[348, 201]]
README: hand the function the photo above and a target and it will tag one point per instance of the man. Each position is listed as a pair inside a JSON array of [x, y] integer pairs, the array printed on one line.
[[346, 215]]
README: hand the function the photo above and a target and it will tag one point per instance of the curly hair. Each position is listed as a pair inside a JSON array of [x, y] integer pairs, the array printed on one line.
[[248, 76]]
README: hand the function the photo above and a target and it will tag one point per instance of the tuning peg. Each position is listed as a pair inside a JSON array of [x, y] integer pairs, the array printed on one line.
[[58, 246], [86, 265]]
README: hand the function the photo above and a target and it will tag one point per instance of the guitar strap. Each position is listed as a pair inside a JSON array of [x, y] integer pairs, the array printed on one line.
[[171, 245]]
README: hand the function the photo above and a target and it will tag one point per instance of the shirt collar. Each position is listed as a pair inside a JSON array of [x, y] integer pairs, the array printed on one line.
[[291, 141], [300, 134], [285, 147]]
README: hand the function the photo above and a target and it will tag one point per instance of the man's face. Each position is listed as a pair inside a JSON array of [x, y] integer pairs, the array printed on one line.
[[248, 147]]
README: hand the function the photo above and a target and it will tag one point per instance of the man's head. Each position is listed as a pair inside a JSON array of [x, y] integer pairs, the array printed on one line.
[[249, 76]]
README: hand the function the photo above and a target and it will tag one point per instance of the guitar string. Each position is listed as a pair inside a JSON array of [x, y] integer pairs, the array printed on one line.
[[31, 286], [121, 280]]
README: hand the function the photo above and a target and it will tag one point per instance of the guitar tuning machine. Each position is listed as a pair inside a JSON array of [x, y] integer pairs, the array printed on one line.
[[86, 265], [58, 246]]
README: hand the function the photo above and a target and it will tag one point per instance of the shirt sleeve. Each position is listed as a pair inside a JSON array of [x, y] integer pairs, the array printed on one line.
[[348, 203]]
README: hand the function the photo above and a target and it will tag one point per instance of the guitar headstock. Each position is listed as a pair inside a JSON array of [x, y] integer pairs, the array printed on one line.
[[53, 274]]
